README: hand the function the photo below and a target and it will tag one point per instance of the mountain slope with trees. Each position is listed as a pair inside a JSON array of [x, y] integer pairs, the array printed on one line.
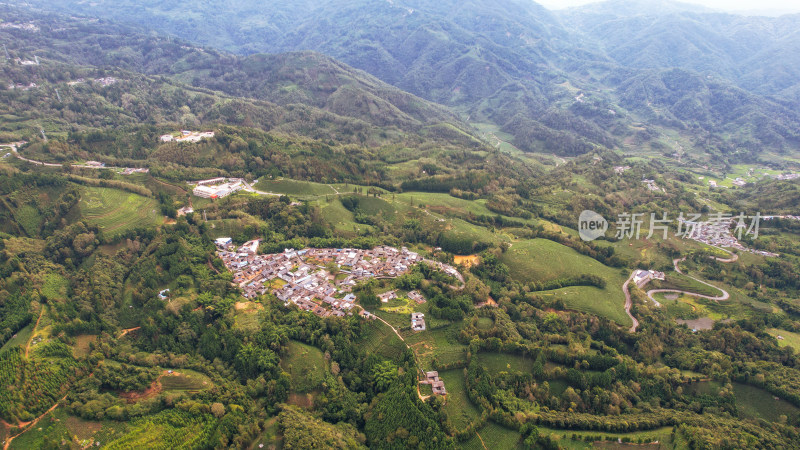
[[552, 81]]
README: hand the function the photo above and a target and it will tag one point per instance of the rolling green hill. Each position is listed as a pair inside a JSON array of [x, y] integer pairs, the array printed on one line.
[[326, 87], [564, 83]]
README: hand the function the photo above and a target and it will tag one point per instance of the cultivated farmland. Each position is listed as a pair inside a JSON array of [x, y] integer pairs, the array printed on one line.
[[115, 211]]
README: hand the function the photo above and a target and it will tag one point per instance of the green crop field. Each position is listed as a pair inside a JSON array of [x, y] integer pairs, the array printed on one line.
[[29, 218], [543, 260], [115, 211], [439, 343], [294, 187], [55, 287], [340, 218], [576, 439], [460, 410], [760, 404], [495, 437], [446, 204], [168, 428], [400, 306], [21, 338], [185, 380], [485, 323], [789, 339], [381, 340], [681, 282], [606, 302], [374, 206], [503, 362], [306, 366], [751, 402], [474, 232]]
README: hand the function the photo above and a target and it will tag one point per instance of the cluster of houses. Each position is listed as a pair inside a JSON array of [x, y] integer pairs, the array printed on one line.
[[437, 385], [739, 181], [218, 187], [20, 26], [718, 234], [105, 81], [651, 185], [132, 170], [188, 136], [386, 296], [301, 276], [23, 87], [27, 62], [781, 217]]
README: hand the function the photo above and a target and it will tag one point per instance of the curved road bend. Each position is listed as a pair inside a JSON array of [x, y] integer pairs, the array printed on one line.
[[725, 295], [628, 303]]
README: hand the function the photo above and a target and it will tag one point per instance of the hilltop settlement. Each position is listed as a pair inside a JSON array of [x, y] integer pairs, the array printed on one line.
[[304, 277]]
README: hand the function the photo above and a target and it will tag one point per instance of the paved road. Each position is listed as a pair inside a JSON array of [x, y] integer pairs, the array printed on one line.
[[628, 303], [249, 188], [725, 295], [14, 146]]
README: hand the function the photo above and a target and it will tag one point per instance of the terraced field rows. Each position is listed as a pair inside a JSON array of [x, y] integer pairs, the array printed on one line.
[[115, 211]]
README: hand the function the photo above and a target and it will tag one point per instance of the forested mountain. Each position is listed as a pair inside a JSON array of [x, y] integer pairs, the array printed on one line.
[[557, 83], [304, 81], [760, 54]]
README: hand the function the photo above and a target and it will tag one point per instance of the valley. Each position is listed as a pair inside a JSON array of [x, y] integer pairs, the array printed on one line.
[[361, 225]]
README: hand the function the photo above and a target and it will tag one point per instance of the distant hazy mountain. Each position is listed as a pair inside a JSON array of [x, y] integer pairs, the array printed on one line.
[[562, 82], [760, 54], [628, 8], [303, 93]]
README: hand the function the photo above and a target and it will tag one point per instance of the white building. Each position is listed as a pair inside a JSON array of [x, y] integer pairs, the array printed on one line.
[[223, 242], [218, 187]]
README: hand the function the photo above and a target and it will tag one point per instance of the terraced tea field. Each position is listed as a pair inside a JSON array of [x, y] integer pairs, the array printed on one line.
[[115, 211]]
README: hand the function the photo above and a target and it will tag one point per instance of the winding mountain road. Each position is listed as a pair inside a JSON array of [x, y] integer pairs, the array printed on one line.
[[628, 302], [725, 295]]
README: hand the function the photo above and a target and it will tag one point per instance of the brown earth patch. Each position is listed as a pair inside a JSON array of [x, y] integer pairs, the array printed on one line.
[[244, 306], [302, 400], [154, 389], [82, 344], [468, 260]]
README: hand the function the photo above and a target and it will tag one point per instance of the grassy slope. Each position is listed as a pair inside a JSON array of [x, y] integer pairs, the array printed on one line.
[[494, 437], [116, 211], [542, 260], [502, 362], [305, 365], [294, 188], [460, 410]]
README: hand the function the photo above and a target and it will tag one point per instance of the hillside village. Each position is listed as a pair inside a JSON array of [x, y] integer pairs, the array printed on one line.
[[187, 136], [301, 276], [719, 234]]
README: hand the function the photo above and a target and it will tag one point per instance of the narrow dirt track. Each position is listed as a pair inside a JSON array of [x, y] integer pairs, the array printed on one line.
[[31, 424]]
